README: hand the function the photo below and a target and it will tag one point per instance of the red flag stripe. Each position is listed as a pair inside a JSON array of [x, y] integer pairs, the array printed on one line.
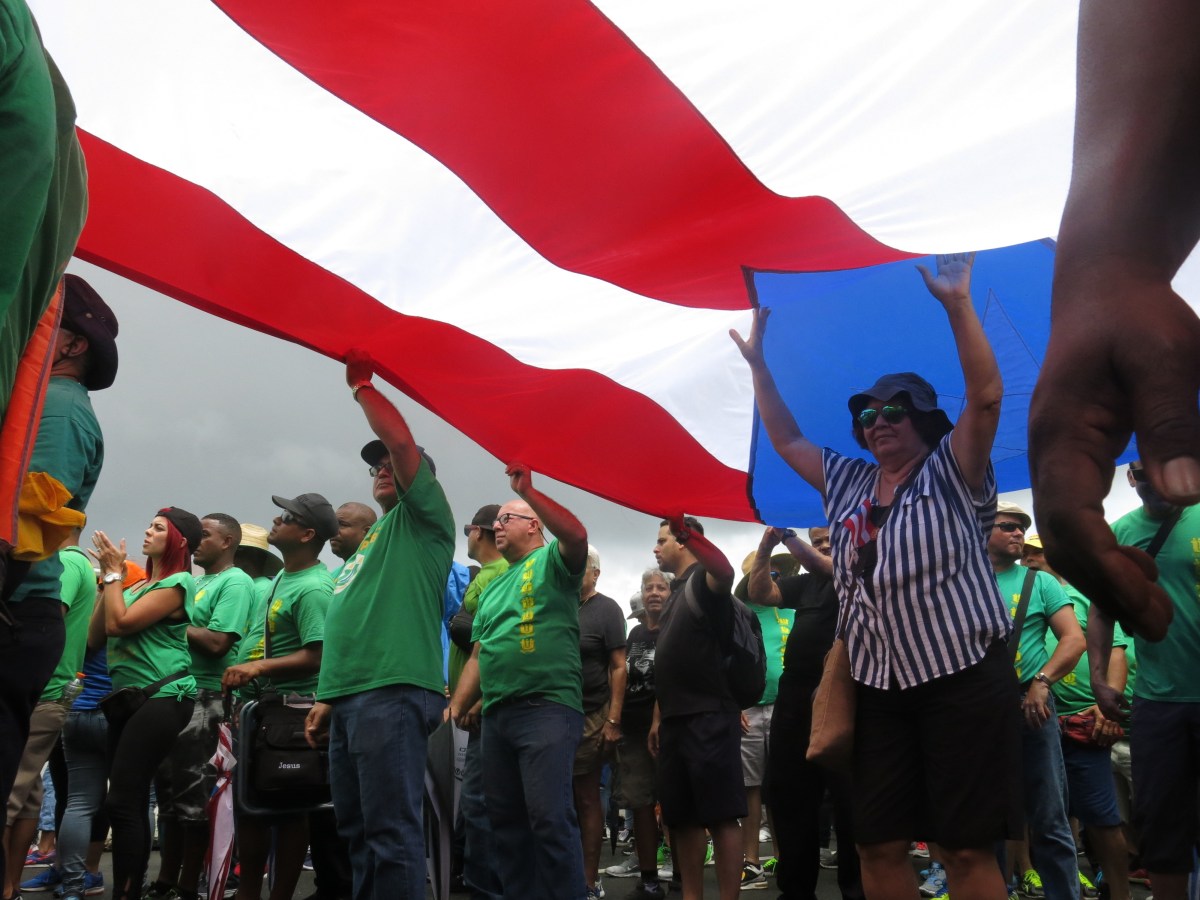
[[174, 237], [556, 149]]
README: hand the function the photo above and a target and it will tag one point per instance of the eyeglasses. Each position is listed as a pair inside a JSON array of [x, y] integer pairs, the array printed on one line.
[[891, 414], [1010, 527], [467, 529], [287, 517], [1138, 474], [505, 518], [375, 470]]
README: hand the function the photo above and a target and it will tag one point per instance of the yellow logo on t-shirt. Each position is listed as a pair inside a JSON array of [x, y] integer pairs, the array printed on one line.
[[526, 626]]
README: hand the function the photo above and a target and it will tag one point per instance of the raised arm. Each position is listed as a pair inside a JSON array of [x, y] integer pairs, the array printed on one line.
[[760, 586], [385, 420], [789, 442], [975, 431], [718, 571], [561, 522]]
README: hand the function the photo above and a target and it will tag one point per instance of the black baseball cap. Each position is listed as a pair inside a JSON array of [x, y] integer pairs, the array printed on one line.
[[314, 510]]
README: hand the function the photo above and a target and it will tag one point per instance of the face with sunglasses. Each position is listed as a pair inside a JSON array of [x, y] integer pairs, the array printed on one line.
[[887, 429], [1007, 540]]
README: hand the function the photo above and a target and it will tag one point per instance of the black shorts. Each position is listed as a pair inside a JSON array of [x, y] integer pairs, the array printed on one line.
[[1165, 747], [941, 761], [700, 769]]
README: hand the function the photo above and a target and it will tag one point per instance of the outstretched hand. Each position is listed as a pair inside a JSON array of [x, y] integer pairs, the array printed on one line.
[[110, 556], [952, 283], [359, 366], [1112, 369], [519, 478], [752, 347]]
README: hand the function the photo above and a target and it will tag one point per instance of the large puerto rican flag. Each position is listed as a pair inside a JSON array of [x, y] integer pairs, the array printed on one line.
[[542, 216]]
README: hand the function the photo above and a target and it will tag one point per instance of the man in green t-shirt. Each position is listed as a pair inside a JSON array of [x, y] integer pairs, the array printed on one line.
[[527, 668], [1051, 844], [1166, 693], [354, 521], [284, 650], [77, 592], [185, 780], [479, 854], [382, 682]]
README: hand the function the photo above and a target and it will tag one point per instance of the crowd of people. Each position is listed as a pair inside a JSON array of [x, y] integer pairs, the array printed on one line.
[[989, 698]]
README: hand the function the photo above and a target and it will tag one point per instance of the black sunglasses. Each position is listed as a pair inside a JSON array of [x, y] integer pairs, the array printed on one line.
[[1009, 527], [287, 517], [467, 529], [1138, 474], [891, 414]]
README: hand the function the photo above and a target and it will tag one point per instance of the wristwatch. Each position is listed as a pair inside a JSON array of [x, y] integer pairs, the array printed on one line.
[[110, 577], [1041, 676], [613, 722], [789, 533]]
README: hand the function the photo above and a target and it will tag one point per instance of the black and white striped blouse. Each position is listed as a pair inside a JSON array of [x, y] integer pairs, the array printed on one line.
[[936, 607]]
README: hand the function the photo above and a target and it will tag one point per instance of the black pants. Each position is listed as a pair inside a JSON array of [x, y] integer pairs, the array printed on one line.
[[795, 789], [330, 858], [30, 648], [136, 748]]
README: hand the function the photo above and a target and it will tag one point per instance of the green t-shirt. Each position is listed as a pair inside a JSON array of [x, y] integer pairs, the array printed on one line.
[[139, 660], [222, 603], [776, 626], [1073, 692], [1046, 599], [78, 594], [527, 626], [385, 621], [458, 656], [43, 185], [70, 448], [294, 609], [1167, 669]]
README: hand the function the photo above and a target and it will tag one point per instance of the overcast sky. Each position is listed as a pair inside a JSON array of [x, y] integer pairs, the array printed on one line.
[[214, 417]]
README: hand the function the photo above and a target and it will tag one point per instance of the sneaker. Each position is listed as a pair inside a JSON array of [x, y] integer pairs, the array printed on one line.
[[944, 895], [648, 890], [828, 858], [753, 878], [708, 854], [664, 854], [47, 881], [307, 865], [591, 894], [93, 884], [920, 850], [764, 835], [36, 860], [1031, 885], [769, 865], [1139, 876], [598, 889], [624, 836], [1090, 891], [935, 881], [628, 869], [159, 890], [666, 871]]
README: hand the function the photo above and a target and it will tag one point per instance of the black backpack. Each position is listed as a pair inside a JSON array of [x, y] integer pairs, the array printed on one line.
[[745, 662]]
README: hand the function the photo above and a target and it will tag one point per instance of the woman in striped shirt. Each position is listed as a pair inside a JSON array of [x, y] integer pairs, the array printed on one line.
[[937, 740]]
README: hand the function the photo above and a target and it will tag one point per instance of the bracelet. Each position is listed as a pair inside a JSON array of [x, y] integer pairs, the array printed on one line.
[[358, 386], [613, 722], [1042, 677]]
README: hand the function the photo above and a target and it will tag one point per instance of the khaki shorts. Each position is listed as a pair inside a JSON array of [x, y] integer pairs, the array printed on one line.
[[591, 754], [46, 724], [754, 744], [637, 785]]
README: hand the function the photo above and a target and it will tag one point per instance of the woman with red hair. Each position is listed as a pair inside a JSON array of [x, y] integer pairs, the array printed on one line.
[[148, 658]]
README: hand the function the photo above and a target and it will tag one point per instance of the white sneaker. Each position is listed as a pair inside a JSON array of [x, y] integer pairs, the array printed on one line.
[[667, 872], [628, 869], [764, 835]]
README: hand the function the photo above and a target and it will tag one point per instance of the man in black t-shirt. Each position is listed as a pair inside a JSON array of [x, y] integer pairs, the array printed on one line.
[[697, 730], [602, 662], [795, 787]]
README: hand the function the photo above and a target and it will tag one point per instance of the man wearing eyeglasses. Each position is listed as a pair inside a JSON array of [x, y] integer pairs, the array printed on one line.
[[1051, 844], [382, 681], [526, 665]]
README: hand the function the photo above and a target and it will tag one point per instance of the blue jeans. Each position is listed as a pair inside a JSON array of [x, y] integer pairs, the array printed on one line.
[[85, 745], [528, 757], [1051, 846], [479, 855], [378, 746]]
